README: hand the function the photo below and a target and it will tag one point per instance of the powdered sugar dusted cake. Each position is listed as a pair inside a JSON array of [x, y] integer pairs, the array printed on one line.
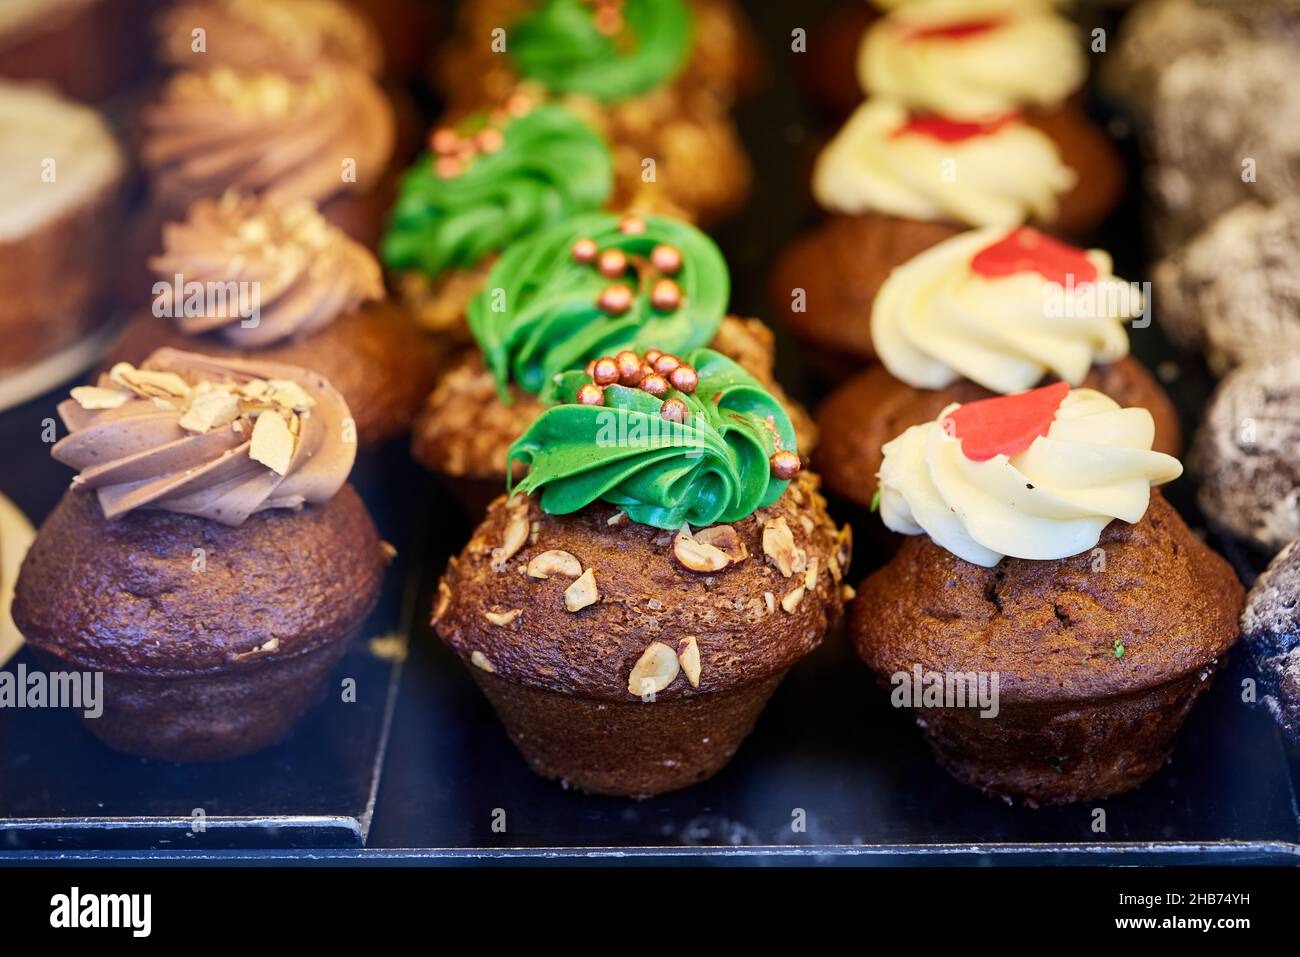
[[1271, 631]]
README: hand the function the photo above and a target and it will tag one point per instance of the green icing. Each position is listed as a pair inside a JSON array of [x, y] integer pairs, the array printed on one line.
[[714, 467], [550, 167], [560, 47], [538, 314]]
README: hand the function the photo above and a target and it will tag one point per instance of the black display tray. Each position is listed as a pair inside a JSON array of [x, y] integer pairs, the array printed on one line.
[[828, 745]]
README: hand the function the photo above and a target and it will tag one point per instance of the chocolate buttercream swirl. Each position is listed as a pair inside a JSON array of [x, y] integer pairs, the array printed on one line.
[[308, 138], [217, 438], [260, 270], [281, 35]]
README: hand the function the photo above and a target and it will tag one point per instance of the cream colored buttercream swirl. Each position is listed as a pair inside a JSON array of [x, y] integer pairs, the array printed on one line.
[[217, 438], [280, 256], [1003, 176], [936, 320], [969, 59], [309, 138], [1050, 501], [280, 35]]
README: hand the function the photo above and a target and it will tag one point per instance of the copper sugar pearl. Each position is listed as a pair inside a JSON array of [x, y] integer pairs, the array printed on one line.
[[674, 410], [584, 251], [785, 464], [591, 394], [655, 384], [612, 263], [615, 300], [667, 259]]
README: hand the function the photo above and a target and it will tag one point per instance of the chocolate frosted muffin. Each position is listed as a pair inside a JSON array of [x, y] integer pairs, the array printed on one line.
[[485, 183], [1231, 291], [59, 209], [1040, 559], [627, 71], [896, 184], [1245, 454], [1270, 631], [989, 311], [663, 576], [269, 279], [591, 288], [209, 558]]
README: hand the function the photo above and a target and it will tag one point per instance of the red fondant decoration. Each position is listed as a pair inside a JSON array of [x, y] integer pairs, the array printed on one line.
[[952, 131], [955, 31], [1006, 424], [1028, 250]]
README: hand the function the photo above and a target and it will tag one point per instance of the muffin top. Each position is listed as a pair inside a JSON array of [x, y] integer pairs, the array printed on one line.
[[280, 269], [57, 155], [1003, 309], [284, 35], [220, 439], [998, 171], [493, 179], [972, 59], [659, 532], [311, 137], [1037, 475]]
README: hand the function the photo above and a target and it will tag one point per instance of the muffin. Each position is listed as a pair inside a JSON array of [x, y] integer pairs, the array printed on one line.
[[209, 559], [88, 49], [58, 214], [1231, 291], [1039, 558], [268, 279], [1245, 454], [1270, 632], [656, 569], [990, 311], [629, 70], [482, 185], [594, 287], [896, 184]]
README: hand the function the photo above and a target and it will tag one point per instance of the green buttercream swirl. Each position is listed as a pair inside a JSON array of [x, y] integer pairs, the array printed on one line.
[[538, 314], [712, 468], [560, 47], [550, 167]]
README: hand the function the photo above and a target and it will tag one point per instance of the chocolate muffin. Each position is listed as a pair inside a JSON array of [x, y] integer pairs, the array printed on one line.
[[1230, 291], [990, 311], [1039, 557], [1245, 454], [590, 288], [268, 279], [1270, 631], [627, 70], [59, 211], [603, 603], [483, 184], [209, 559], [896, 184]]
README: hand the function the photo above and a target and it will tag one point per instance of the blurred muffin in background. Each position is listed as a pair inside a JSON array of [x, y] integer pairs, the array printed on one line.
[[89, 49], [632, 69], [59, 215], [270, 280]]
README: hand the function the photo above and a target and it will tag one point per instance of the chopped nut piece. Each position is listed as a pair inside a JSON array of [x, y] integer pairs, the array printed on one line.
[[444, 599], [696, 556], [480, 660], [810, 576], [845, 542], [618, 518], [778, 545], [272, 443], [725, 538], [290, 395], [582, 592], [512, 539], [848, 593], [770, 601], [833, 564], [807, 523], [688, 654], [554, 562], [791, 601], [92, 397], [654, 671], [502, 618], [156, 385], [210, 409]]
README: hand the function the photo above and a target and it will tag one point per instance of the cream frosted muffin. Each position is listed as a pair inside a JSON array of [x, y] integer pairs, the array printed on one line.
[[1038, 555], [269, 279], [210, 558], [990, 311], [58, 214]]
